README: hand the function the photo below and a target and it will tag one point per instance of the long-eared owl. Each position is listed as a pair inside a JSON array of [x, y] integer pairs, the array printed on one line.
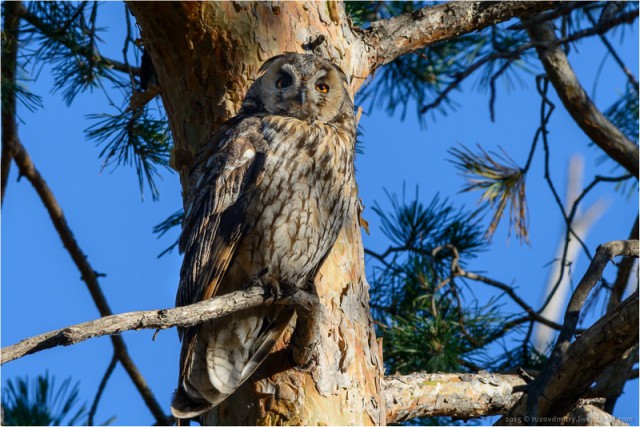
[[270, 192]]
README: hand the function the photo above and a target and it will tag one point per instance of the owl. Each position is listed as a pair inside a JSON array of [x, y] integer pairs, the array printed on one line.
[[269, 193]]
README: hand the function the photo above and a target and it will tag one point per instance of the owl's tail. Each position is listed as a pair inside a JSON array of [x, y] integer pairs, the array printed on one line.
[[223, 354]]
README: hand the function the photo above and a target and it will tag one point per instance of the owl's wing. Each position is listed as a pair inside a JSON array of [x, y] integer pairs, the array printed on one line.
[[216, 202]]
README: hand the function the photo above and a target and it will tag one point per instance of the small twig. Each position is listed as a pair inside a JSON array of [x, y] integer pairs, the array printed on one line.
[[101, 387], [492, 89], [457, 271], [189, 315], [518, 51], [82, 50], [616, 57]]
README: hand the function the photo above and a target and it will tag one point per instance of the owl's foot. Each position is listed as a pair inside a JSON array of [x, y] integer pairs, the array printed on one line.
[[272, 286]]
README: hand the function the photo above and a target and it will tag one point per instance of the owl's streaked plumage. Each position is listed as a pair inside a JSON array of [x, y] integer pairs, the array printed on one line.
[[271, 190]]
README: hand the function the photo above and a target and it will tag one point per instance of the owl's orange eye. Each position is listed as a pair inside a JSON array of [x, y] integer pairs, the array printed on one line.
[[283, 82], [322, 88]]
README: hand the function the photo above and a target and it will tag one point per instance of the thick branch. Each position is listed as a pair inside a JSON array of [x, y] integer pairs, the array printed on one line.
[[89, 275], [154, 319], [597, 127], [604, 343], [9, 65], [450, 395], [555, 391], [612, 381], [390, 38]]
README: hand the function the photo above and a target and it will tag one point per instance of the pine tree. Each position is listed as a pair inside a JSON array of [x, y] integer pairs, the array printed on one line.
[[186, 73]]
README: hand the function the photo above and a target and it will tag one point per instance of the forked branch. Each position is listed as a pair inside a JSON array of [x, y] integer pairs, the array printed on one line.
[[574, 366], [597, 127]]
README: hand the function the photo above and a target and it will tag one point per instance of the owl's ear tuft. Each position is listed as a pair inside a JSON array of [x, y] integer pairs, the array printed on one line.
[[264, 67], [341, 73]]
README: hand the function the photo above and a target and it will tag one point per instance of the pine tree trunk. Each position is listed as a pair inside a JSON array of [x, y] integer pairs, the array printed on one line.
[[205, 56]]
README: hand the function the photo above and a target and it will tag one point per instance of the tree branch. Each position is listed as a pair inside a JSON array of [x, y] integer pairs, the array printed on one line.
[[9, 68], [155, 319], [577, 102], [420, 394], [517, 51], [612, 381], [604, 343], [390, 38], [85, 51], [89, 275], [572, 368], [450, 395]]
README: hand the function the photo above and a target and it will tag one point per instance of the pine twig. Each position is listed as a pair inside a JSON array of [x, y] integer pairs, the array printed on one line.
[[82, 50]]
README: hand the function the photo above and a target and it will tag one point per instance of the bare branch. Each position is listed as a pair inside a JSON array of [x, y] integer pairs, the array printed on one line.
[[612, 381], [451, 395], [155, 319], [89, 275], [602, 344], [9, 68], [103, 384], [572, 368], [390, 38], [632, 79], [577, 102]]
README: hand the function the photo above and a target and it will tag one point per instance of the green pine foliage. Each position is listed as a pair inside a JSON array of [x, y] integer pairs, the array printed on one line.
[[41, 403], [65, 38], [133, 137]]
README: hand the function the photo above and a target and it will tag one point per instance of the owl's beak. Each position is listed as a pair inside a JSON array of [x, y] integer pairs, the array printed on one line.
[[301, 97]]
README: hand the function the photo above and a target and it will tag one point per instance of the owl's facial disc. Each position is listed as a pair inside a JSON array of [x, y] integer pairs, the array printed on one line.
[[305, 87]]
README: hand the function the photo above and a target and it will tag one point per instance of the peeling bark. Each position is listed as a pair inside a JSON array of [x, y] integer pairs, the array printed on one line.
[[450, 395], [205, 55]]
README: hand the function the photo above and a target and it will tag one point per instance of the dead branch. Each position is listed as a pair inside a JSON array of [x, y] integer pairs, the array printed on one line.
[[612, 381], [607, 136], [155, 319], [604, 343], [390, 38], [89, 275], [573, 367]]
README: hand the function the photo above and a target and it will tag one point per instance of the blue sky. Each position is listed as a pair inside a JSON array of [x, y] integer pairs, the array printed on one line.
[[42, 290]]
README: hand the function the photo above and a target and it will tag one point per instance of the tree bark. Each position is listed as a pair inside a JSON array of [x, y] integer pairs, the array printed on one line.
[[205, 55]]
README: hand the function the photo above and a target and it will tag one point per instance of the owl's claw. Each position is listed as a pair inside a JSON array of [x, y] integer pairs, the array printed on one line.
[[272, 286]]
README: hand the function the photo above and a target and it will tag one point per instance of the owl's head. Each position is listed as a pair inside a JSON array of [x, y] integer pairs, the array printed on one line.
[[306, 87]]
